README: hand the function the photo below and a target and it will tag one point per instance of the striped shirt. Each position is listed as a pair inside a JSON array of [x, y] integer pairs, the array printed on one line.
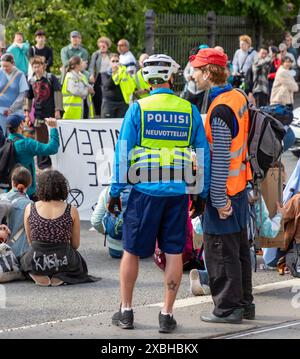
[[220, 163]]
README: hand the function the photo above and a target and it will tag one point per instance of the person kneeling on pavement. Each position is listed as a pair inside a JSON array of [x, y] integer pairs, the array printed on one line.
[[53, 233]]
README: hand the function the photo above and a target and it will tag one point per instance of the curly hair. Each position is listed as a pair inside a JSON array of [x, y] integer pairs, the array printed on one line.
[[52, 186]]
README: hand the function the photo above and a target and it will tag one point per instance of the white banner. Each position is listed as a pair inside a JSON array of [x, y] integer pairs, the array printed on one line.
[[85, 157]]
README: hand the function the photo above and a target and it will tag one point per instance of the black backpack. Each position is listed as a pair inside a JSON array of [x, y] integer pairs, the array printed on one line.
[[264, 141], [7, 162]]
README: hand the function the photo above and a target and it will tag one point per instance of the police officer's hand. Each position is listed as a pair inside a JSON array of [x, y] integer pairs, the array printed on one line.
[[197, 207], [113, 203]]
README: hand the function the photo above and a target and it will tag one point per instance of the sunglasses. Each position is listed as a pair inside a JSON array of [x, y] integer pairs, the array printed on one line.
[[116, 61]]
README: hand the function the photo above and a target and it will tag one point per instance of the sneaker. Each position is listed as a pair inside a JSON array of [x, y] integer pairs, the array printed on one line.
[[167, 323], [195, 284], [123, 320]]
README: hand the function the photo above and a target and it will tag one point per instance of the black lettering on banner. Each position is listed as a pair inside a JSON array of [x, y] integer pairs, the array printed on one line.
[[100, 138], [93, 174], [87, 143], [117, 132], [112, 138], [65, 144]]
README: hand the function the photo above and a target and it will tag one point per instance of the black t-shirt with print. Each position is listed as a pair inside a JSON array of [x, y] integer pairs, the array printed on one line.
[[42, 91]]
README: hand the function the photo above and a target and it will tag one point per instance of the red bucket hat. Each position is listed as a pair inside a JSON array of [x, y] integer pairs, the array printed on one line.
[[209, 56]]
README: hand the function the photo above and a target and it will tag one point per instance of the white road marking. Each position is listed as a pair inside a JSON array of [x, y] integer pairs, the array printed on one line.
[[235, 336], [180, 303]]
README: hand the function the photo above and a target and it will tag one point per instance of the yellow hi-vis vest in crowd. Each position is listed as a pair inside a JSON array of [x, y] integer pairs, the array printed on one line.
[[126, 83], [74, 105], [166, 125], [141, 84]]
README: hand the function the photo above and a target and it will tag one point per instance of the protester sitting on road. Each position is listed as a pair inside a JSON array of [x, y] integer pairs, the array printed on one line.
[[45, 99], [13, 86], [76, 91], [53, 233], [12, 208], [26, 148], [258, 218], [127, 58], [19, 50], [142, 87], [99, 64], [117, 89], [108, 224]]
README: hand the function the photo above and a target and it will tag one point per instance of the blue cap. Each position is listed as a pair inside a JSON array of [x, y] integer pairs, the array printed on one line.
[[203, 46], [14, 121]]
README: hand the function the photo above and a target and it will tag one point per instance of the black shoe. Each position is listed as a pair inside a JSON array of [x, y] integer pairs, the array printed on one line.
[[236, 317], [123, 320], [249, 311], [167, 323]]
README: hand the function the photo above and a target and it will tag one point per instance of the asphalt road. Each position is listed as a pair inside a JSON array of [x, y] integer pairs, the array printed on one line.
[[27, 304]]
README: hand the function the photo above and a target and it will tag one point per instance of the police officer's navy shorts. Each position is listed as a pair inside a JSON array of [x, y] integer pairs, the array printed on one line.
[[150, 218]]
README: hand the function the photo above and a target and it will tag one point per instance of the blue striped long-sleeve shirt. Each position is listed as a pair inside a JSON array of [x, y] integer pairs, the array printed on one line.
[[220, 162]]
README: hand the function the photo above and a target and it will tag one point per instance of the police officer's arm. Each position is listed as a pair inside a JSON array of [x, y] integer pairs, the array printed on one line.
[[128, 138], [201, 147]]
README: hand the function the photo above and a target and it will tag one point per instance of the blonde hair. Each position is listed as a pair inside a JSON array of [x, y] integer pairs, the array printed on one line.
[[104, 39], [246, 39]]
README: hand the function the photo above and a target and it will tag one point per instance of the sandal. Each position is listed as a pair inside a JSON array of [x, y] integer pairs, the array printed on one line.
[[41, 280]]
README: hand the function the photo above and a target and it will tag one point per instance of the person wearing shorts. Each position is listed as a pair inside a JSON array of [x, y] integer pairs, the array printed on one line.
[[154, 154]]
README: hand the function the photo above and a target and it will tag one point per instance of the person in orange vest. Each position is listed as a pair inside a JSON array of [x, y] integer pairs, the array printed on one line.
[[226, 245]]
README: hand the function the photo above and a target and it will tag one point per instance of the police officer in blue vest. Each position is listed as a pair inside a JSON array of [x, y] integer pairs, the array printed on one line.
[[155, 154]]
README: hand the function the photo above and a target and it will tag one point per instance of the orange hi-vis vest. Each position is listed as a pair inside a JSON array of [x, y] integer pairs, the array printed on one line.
[[239, 170]]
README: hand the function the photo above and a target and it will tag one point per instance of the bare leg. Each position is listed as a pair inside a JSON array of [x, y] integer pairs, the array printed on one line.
[[129, 269], [173, 274]]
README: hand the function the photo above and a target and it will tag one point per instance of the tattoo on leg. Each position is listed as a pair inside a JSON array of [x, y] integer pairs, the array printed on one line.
[[172, 285]]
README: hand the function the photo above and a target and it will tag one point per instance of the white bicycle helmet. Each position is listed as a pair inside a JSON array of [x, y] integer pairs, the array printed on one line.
[[159, 69]]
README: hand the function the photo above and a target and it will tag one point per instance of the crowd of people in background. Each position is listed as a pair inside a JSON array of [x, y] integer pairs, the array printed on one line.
[[104, 85]]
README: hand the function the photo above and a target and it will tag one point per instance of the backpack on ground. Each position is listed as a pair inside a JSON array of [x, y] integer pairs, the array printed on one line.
[[113, 224], [7, 162], [264, 141]]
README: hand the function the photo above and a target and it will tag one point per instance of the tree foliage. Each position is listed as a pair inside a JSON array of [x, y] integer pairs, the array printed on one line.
[[117, 19], [93, 18]]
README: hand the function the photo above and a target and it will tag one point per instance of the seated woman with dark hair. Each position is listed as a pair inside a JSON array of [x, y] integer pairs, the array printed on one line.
[[12, 208], [53, 232]]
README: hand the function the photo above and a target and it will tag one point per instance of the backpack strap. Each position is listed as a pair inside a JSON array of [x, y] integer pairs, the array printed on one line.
[[12, 79]]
